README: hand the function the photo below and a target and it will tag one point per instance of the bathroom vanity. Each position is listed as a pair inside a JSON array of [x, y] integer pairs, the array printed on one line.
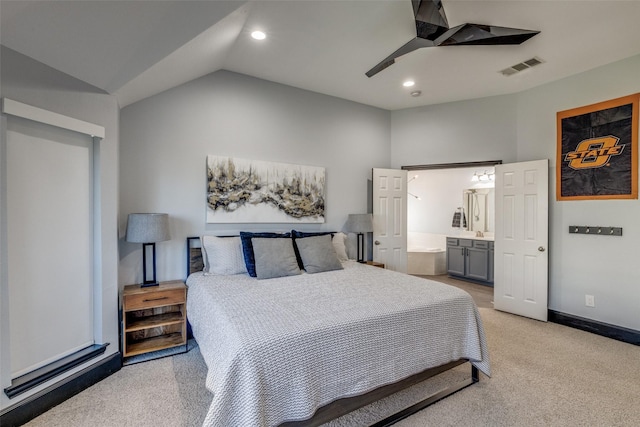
[[470, 259]]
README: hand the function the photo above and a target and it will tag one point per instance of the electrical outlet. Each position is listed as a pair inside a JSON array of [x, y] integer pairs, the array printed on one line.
[[589, 300]]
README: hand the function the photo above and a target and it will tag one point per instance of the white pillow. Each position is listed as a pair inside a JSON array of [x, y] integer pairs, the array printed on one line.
[[339, 245], [223, 255]]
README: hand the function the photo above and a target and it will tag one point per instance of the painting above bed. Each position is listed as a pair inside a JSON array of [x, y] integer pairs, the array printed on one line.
[[251, 191]]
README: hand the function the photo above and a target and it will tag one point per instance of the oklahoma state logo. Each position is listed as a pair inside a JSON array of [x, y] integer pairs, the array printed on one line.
[[594, 152]]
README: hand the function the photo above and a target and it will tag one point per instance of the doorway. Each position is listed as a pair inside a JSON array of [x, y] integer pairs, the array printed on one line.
[[444, 200]]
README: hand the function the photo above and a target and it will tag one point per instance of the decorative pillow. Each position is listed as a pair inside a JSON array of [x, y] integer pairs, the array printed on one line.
[[302, 234], [247, 247], [351, 244], [203, 254], [223, 255], [340, 247], [274, 257], [317, 254]]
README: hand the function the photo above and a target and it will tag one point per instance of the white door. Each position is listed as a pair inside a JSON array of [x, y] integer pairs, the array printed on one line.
[[521, 239], [390, 218]]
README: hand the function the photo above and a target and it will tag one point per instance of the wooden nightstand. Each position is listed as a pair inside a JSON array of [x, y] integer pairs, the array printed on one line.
[[375, 264], [154, 318]]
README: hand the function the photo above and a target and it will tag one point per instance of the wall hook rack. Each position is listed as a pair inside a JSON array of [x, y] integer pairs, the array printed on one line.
[[595, 229]]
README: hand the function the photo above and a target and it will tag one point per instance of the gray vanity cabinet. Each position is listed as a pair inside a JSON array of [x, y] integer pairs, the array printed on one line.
[[470, 259]]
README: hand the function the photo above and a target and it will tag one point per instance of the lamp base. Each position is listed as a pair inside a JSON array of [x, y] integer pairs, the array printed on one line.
[[360, 248], [149, 284]]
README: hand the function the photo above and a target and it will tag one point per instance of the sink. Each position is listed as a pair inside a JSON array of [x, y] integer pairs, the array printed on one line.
[[472, 235]]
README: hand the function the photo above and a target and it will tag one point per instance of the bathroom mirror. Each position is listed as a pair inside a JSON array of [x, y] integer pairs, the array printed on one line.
[[478, 206]]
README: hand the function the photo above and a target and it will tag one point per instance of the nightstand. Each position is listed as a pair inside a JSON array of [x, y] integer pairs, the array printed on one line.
[[375, 264], [154, 318]]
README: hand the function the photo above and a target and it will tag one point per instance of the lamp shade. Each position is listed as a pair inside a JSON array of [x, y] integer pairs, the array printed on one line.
[[147, 227], [359, 223]]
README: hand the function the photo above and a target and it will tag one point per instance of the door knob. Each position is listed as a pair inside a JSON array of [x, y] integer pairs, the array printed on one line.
[[376, 242], [540, 249]]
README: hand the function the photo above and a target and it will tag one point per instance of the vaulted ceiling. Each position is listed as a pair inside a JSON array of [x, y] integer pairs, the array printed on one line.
[[135, 49]]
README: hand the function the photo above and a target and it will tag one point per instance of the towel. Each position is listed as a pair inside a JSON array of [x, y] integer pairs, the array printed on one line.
[[458, 218]]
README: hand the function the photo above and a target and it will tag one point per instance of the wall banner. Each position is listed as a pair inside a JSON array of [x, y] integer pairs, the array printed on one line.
[[597, 152]]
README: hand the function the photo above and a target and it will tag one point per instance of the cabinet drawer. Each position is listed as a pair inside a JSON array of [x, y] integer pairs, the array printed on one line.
[[490, 245], [481, 244], [467, 243], [452, 241], [154, 299]]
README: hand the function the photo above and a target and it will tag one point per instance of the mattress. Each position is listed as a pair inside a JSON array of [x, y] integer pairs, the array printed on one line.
[[278, 349]]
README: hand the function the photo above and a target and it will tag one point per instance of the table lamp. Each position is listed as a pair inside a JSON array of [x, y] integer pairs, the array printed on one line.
[[359, 224], [148, 229]]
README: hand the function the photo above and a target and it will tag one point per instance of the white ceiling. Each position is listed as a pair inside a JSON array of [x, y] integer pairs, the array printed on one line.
[[135, 49]]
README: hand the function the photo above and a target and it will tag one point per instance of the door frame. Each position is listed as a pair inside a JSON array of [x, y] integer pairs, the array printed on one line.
[[452, 165]]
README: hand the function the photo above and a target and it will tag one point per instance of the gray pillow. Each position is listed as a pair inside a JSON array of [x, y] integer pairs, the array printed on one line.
[[274, 257], [318, 254]]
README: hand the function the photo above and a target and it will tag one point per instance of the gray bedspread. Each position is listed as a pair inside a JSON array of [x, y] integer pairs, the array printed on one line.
[[278, 349]]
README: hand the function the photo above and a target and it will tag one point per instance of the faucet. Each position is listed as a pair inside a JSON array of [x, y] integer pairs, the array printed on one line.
[[479, 233]]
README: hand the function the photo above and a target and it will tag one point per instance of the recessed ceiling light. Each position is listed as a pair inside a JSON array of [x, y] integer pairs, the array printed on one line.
[[258, 35], [408, 83], [416, 93]]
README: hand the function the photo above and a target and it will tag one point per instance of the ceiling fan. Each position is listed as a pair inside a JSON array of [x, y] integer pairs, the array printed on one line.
[[432, 29]]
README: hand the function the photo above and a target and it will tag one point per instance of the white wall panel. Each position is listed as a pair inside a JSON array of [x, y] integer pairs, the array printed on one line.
[[50, 246]]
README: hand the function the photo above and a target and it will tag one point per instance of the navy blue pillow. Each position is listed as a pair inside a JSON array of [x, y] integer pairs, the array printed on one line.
[[247, 248], [301, 235]]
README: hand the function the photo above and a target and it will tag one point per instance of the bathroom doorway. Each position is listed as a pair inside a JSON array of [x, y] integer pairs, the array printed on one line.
[[446, 200]]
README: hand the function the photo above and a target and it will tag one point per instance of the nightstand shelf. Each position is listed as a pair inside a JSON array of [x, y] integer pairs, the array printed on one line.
[[154, 344], [154, 318], [154, 321]]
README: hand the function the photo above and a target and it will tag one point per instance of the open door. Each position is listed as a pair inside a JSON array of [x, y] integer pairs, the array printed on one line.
[[521, 239], [390, 218]]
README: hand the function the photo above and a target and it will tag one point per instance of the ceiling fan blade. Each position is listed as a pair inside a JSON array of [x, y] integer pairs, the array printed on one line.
[[410, 46], [430, 11], [431, 21], [432, 29], [477, 34]]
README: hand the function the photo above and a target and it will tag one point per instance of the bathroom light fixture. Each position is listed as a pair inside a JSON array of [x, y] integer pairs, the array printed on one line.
[[258, 35], [483, 177], [408, 83], [410, 193]]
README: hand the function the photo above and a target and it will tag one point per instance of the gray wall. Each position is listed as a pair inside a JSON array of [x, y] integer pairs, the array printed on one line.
[[33, 83], [465, 131], [522, 127], [605, 267], [165, 140]]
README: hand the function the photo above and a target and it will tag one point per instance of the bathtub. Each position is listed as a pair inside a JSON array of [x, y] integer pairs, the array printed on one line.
[[427, 261]]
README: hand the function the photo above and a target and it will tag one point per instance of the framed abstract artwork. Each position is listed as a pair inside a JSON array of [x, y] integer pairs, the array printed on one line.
[[597, 151], [251, 191]]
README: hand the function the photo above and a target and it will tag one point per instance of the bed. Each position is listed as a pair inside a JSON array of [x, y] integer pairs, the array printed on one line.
[[309, 347]]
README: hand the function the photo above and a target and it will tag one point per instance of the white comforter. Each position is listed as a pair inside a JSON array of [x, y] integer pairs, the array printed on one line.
[[278, 349]]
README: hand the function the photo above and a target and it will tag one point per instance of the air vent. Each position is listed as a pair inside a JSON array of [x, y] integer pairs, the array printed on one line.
[[521, 66]]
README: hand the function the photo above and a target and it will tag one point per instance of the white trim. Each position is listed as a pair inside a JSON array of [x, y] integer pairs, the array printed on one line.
[[15, 108]]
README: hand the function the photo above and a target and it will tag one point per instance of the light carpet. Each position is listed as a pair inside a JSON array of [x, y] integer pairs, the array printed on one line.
[[543, 374]]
